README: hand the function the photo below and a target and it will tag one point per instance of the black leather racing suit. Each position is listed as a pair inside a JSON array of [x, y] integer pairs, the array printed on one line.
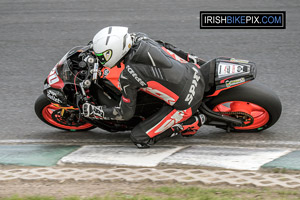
[[151, 67]]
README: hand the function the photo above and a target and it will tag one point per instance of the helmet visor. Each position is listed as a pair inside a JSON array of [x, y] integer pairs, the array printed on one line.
[[105, 56]]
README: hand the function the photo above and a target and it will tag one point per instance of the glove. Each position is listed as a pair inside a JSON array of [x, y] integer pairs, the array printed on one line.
[[196, 60], [91, 111], [192, 58]]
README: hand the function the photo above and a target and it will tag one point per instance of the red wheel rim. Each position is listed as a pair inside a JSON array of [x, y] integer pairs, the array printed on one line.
[[260, 115], [47, 114]]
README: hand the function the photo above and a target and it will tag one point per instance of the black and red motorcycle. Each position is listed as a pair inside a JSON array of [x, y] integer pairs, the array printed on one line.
[[230, 102]]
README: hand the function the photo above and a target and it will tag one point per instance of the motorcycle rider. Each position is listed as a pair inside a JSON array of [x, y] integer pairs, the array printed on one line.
[[153, 67]]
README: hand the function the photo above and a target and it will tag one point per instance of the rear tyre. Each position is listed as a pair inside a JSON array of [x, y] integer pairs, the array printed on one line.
[[50, 114], [252, 98]]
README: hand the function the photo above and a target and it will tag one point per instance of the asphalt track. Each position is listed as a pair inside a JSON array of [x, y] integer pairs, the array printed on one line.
[[35, 34]]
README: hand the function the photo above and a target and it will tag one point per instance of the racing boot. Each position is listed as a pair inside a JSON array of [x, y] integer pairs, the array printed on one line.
[[145, 145], [152, 141], [142, 145], [189, 127]]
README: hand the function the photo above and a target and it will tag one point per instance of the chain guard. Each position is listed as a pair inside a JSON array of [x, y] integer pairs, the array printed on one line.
[[240, 115]]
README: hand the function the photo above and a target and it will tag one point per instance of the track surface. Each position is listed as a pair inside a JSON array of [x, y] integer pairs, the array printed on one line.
[[35, 34]]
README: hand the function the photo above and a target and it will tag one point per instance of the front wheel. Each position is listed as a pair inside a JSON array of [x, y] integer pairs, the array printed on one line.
[[61, 118], [254, 103]]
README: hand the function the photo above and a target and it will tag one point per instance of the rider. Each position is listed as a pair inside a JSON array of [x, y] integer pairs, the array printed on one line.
[[153, 67]]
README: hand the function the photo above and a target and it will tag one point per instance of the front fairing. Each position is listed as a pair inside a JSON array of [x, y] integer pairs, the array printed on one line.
[[61, 78]]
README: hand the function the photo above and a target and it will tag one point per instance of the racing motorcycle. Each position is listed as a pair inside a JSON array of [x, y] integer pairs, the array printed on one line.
[[231, 100]]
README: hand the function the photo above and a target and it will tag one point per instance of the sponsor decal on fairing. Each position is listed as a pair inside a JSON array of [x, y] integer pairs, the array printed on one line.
[[226, 68], [53, 96], [230, 83], [239, 60]]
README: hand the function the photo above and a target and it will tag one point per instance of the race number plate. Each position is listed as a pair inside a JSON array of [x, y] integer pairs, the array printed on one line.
[[227, 69]]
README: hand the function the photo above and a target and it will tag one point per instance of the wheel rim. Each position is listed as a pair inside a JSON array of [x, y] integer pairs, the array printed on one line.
[[260, 115], [47, 114]]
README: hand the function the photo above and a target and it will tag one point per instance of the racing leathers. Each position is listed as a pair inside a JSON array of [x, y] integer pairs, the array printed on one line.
[[153, 67]]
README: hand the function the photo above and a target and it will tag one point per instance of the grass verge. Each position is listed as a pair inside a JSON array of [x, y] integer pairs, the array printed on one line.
[[184, 192]]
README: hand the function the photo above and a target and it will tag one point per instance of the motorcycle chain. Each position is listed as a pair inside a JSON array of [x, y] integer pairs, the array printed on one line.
[[238, 116]]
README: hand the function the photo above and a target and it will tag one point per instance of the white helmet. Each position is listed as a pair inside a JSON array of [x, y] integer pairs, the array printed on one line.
[[111, 44]]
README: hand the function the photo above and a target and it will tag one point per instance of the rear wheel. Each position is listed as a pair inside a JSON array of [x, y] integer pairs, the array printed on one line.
[[255, 104], [61, 118]]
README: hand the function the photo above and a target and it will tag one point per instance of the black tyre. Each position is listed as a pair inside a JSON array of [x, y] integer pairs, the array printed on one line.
[[253, 98], [51, 115]]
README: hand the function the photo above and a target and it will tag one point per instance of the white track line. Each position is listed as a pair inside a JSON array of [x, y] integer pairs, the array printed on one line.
[[239, 158], [170, 142], [121, 155]]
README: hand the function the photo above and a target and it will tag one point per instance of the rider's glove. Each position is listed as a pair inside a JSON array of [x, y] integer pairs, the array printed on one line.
[[92, 111], [196, 60], [192, 58]]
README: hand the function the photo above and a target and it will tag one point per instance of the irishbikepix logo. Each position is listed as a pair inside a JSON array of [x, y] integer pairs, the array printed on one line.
[[242, 19]]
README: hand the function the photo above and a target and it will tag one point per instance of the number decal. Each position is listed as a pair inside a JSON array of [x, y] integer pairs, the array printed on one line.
[[53, 78]]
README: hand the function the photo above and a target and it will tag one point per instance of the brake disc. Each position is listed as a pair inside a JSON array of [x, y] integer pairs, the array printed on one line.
[[65, 119]]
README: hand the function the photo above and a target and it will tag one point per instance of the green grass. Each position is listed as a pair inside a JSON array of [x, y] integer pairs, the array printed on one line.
[[186, 192], [206, 193]]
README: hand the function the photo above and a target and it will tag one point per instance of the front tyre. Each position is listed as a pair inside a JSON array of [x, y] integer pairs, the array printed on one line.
[[58, 118], [252, 98]]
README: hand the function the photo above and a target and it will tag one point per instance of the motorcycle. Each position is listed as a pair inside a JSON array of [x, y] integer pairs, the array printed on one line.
[[231, 100]]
